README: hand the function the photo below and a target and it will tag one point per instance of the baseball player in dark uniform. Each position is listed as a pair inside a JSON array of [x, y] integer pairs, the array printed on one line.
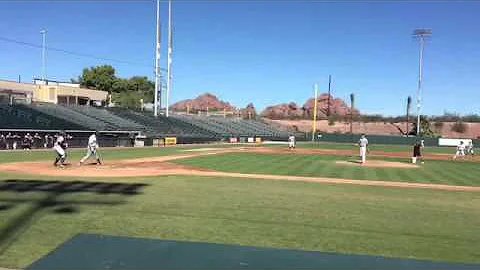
[[417, 152]]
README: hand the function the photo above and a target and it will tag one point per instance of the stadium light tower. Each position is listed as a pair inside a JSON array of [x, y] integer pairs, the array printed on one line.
[[157, 62], [170, 55], [44, 40], [422, 35]]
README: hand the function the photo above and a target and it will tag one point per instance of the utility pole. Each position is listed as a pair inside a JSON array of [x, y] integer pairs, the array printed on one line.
[[314, 124], [157, 61], [329, 85], [422, 35], [352, 107], [44, 41], [170, 55]]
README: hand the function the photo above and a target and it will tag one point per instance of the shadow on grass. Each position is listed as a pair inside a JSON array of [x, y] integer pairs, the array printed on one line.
[[53, 200], [354, 161]]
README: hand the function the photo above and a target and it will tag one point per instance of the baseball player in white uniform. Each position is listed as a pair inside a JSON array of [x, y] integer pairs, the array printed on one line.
[[363, 144], [60, 147], [470, 149], [460, 151], [291, 142], [92, 148]]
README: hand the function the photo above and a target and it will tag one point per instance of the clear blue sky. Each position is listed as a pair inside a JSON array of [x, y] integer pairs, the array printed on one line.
[[265, 52]]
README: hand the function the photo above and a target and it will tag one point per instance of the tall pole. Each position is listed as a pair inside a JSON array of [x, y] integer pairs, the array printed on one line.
[[44, 41], [419, 89], [329, 85], [422, 34], [158, 86], [409, 104], [170, 54], [314, 124], [352, 107]]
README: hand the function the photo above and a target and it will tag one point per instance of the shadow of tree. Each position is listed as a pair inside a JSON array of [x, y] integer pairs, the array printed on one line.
[[54, 201]]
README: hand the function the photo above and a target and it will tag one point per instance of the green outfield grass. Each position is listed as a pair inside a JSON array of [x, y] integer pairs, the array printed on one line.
[[438, 172], [434, 225], [375, 147], [124, 153]]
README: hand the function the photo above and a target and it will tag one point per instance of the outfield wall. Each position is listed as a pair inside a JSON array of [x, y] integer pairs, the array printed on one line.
[[379, 139]]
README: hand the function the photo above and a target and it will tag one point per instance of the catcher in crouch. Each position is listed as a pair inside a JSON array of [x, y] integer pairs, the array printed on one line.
[[92, 148]]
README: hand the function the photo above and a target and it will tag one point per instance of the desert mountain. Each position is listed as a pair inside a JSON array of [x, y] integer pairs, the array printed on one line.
[[201, 103], [293, 111]]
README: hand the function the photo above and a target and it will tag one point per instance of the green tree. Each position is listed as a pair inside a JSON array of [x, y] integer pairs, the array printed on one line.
[[125, 92], [129, 100], [120, 86], [142, 86], [99, 77]]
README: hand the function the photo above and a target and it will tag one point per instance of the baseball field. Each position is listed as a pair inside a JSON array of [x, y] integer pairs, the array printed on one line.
[[315, 197]]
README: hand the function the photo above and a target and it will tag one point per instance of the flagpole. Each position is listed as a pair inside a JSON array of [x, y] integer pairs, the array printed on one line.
[[157, 62], [170, 54], [314, 124]]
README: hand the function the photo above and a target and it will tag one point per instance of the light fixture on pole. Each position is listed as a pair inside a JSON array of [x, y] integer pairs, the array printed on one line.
[[44, 41], [157, 62], [422, 35]]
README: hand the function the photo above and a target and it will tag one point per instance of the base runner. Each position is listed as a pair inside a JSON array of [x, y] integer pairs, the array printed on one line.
[[470, 149], [92, 148], [363, 144], [60, 148], [460, 151]]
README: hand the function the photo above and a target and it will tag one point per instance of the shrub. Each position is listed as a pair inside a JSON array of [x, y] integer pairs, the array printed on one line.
[[331, 122], [438, 125], [459, 127]]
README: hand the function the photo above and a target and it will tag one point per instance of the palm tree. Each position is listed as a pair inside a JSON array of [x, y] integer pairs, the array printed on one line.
[[352, 102], [409, 105]]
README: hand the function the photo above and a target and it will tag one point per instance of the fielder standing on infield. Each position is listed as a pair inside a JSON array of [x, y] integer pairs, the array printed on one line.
[[460, 151], [363, 144], [291, 142], [92, 148]]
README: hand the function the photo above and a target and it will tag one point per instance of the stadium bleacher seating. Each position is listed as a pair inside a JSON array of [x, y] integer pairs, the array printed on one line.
[[31, 117], [69, 115], [51, 116], [233, 127], [163, 126], [112, 121]]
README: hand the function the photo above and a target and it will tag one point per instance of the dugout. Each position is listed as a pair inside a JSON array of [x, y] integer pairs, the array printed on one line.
[[78, 139]]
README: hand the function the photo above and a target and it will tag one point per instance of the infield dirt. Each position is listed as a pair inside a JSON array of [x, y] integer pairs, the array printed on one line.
[[161, 166]]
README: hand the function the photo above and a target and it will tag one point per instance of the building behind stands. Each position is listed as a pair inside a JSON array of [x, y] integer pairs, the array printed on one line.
[[48, 91]]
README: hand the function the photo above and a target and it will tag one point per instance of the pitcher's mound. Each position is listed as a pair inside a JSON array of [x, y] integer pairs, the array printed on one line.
[[378, 164]]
